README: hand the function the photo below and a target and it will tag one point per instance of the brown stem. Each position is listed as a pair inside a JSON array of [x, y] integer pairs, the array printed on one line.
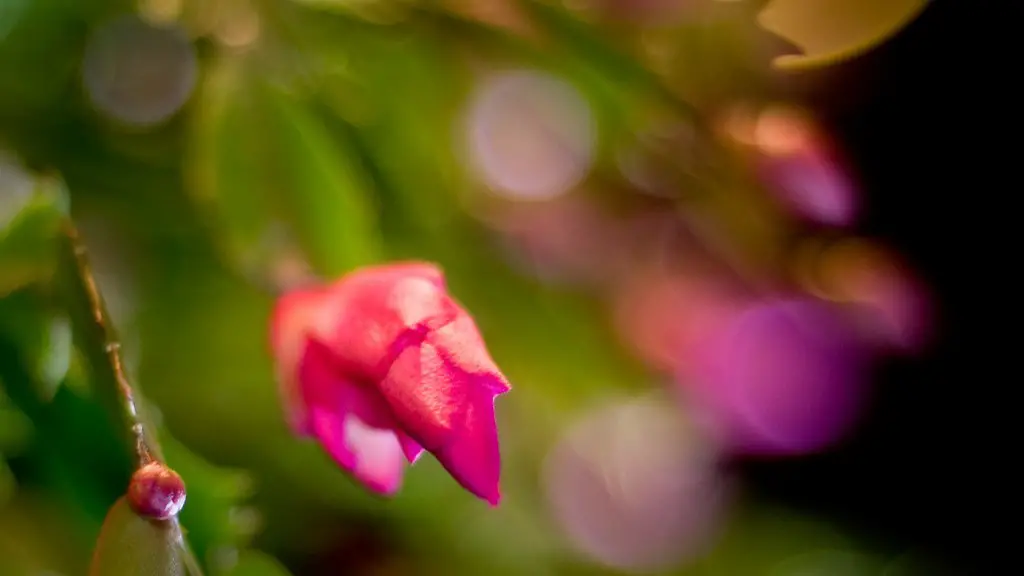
[[111, 346]]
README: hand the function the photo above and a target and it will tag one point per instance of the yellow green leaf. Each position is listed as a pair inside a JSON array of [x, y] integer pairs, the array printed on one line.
[[828, 31]]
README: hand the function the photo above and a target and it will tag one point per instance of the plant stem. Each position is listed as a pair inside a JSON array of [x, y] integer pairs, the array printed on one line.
[[102, 349]]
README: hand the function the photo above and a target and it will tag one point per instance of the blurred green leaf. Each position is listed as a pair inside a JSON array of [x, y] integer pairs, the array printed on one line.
[[78, 454], [224, 149], [611, 75], [10, 13], [36, 537], [214, 495], [34, 34], [409, 138], [763, 540], [75, 452], [382, 11], [28, 244], [256, 563], [8, 483], [42, 338], [15, 428], [133, 546], [260, 154], [829, 31], [326, 192], [56, 357]]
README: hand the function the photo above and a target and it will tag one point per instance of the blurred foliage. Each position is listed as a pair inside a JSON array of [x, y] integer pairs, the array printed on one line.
[[330, 129]]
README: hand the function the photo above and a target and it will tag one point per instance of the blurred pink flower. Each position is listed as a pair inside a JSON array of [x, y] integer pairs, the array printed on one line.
[[805, 167], [564, 240], [382, 364], [781, 378], [897, 306], [664, 316]]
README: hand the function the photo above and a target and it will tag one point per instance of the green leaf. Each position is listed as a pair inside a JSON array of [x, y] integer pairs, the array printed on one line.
[[383, 11], [8, 483], [214, 494], [828, 31], [323, 188], [74, 448], [28, 257], [15, 428], [55, 358], [37, 537], [255, 563], [257, 155], [42, 337], [416, 99], [226, 164], [27, 245], [32, 31], [764, 539], [10, 13], [133, 546], [608, 71]]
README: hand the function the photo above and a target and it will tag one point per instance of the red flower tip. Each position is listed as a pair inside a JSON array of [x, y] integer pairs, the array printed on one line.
[[383, 364]]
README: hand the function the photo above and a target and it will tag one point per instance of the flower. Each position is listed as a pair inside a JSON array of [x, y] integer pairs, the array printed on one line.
[[383, 364], [781, 377]]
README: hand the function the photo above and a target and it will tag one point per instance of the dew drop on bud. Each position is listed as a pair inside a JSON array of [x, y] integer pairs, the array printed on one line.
[[156, 491]]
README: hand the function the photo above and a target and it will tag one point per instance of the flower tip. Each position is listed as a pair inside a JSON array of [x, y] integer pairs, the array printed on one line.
[[493, 499], [384, 488]]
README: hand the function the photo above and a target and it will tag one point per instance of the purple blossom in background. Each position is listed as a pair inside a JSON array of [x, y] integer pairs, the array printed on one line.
[[781, 378]]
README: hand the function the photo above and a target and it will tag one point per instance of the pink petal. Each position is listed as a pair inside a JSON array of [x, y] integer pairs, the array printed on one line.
[[369, 311], [451, 412], [372, 455], [814, 186], [352, 422], [472, 456], [464, 346], [410, 447], [424, 397], [289, 324]]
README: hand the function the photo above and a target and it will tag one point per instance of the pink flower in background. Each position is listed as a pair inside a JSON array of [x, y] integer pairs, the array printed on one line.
[[382, 364], [664, 317], [781, 378], [803, 167], [897, 308]]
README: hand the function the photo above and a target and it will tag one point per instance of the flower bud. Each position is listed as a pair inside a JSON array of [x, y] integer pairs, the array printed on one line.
[[156, 492]]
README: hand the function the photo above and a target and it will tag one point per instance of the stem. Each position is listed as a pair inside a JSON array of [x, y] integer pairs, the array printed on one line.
[[102, 349]]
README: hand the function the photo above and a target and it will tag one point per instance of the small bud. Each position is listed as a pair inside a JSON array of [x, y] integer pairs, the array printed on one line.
[[156, 491]]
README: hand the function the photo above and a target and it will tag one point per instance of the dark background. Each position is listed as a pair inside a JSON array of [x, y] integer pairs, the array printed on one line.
[[914, 113]]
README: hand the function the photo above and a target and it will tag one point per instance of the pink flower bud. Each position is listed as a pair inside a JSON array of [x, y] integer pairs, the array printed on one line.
[[383, 364], [156, 491]]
